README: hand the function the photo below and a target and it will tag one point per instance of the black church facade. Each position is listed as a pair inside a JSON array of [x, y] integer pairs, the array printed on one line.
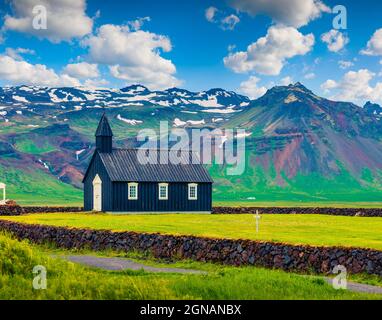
[[121, 181]]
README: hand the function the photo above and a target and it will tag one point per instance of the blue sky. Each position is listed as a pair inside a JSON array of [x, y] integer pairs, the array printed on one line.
[[178, 44]]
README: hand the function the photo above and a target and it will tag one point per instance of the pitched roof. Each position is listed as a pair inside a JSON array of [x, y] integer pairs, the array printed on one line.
[[104, 128], [125, 165]]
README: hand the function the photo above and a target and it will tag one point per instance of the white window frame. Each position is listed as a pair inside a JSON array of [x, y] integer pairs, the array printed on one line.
[[129, 185], [193, 185], [159, 193]]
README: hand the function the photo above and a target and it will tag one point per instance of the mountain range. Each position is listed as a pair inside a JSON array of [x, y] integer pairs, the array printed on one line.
[[300, 147]]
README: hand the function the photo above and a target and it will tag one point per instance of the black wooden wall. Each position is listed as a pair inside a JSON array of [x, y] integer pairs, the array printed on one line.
[[148, 198], [115, 194], [97, 167]]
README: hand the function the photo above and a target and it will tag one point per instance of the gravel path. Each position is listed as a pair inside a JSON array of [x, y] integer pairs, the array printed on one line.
[[359, 287], [119, 264]]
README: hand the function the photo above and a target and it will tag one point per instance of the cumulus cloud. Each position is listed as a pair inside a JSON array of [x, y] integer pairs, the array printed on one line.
[[286, 81], [268, 54], [374, 45], [328, 85], [355, 87], [65, 19], [251, 88], [96, 83], [210, 14], [296, 13], [18, 52], [82, 70], [134, 56], [18, 72], [345, 64], [335, 40]]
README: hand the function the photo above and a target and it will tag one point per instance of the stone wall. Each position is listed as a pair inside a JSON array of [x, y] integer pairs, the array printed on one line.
[[52, 209], [370, 212], [230, 252], [14, 210]]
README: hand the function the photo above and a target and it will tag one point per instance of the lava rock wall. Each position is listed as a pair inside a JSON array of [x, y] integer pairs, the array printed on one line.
[[287, 257]]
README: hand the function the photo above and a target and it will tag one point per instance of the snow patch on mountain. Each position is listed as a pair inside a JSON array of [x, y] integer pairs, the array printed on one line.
[[180, 123], [20, 99], [132, 122]]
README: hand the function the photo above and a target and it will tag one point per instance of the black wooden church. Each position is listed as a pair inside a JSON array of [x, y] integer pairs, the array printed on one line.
[[117, 181]]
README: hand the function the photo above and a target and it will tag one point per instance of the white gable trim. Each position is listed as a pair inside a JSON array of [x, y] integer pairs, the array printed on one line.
[[97, 180]]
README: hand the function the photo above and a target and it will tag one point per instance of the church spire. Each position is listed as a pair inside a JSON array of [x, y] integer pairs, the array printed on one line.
[[104, 136]]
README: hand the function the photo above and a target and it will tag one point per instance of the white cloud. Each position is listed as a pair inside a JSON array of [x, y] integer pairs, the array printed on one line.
[[96, 83], [65, 19], [134, 56], [268, 54], [82, 70], [210, 14], [328, 85], [296, 13], [345, 64], [18, 72], [374, 45], [229, 22], [310, 76], [335, 40], [286, 81], [16, 53], [355, 87], [251, 89], [138, 23]]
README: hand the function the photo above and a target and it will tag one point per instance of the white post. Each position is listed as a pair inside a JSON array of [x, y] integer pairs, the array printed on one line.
[[257, 218]]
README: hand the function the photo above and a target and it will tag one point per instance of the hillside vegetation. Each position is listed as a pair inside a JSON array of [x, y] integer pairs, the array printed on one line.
[[299, 147]]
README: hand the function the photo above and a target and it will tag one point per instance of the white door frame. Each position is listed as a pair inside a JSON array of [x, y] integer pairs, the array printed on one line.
[[2, 186], [97, 194]]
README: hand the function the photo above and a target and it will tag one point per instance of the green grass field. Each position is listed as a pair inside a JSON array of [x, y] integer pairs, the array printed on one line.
[[317, 230], [298, 204], [66, 280]]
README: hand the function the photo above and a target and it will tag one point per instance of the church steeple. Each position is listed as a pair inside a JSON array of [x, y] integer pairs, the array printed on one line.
[[104, 136]]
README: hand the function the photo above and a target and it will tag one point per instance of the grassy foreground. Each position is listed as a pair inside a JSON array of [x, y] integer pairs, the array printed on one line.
[[318, 230], [66, 280]]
